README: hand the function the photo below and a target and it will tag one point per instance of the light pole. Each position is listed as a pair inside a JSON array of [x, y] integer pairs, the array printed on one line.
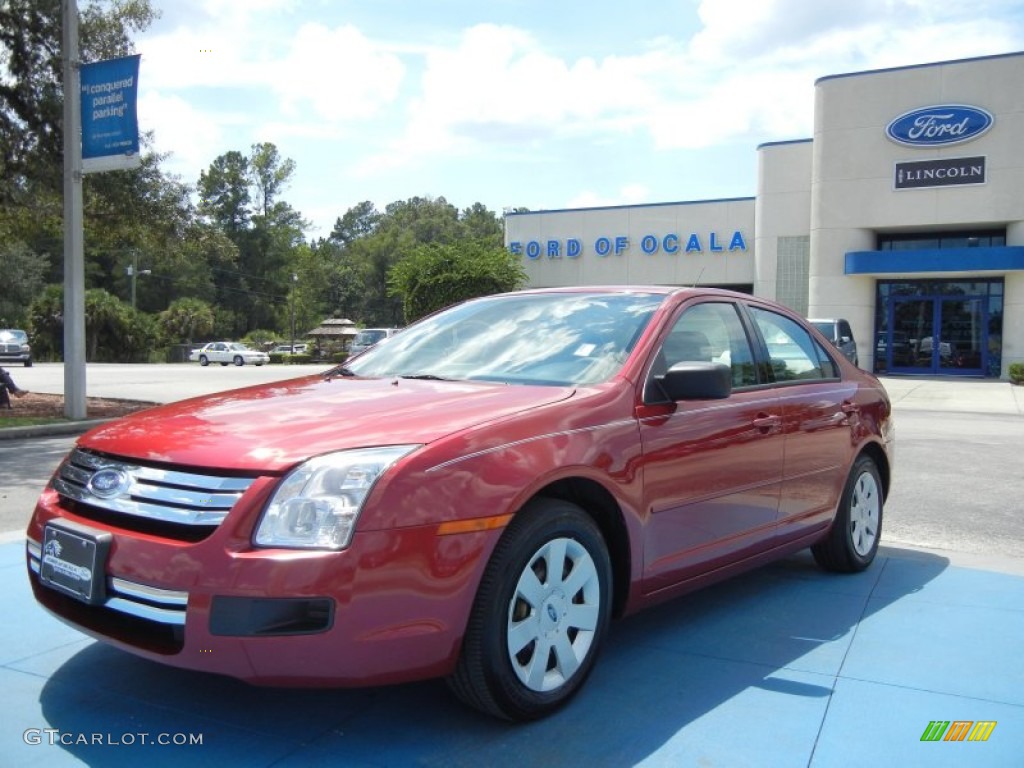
[[133, 272], [291, 302]]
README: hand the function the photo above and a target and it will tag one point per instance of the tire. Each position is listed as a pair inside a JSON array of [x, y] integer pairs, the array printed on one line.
[[239, 360], [28, 363], [204, 360], [852, 542], [522, 613]]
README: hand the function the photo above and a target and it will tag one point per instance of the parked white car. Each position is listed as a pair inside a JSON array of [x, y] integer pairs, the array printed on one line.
[[225, 352]]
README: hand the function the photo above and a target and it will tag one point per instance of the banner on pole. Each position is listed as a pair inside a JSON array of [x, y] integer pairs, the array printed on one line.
[[110, 124]]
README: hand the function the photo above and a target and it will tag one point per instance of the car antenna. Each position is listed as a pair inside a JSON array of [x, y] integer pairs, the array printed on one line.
[[699, 275]]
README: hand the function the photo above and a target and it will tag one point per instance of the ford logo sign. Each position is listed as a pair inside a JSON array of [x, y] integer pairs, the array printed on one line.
[[108, 483], [939, 126]]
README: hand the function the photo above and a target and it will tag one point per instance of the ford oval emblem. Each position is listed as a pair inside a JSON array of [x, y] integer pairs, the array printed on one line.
[[939, 126], [108, 483]]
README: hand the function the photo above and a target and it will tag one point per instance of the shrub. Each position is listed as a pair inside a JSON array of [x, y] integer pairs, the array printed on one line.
[[1017, 373]]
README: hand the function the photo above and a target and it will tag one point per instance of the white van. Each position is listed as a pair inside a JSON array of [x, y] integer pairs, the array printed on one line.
[[367, 337]]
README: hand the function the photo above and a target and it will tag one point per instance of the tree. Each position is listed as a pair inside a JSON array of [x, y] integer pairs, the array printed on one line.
[[359, 221], [31, 82], [224, 193], [270, 174], [437, 275], [266, 235], [185, 319], [23, 276], [46, 323], [114, 331]]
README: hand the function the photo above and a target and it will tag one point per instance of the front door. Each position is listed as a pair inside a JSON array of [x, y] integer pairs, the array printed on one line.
[[712, 469], [937, 334]]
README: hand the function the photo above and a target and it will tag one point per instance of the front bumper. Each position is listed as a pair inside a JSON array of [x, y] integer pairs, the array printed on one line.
[[390, 608]]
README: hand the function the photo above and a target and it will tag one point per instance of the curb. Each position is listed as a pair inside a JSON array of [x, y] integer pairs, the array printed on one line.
[[50, 430]]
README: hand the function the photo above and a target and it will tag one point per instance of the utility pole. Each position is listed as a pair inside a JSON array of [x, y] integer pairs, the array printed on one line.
[[133, 272], [291, 302], [74, 259]]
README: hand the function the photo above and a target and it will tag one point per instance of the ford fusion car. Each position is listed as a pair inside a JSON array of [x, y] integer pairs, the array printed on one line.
[[475, 500]]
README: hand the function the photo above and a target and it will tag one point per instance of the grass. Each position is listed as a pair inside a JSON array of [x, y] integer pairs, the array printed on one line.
[[28, 421]]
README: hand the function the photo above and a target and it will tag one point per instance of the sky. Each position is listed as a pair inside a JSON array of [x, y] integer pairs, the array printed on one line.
[[522, 103]]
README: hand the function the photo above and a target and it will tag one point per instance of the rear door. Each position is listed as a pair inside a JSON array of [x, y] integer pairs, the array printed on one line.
[[712, 468], [818, 411]]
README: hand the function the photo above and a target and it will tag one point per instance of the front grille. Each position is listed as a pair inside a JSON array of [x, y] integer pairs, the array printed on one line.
[[145, 497]]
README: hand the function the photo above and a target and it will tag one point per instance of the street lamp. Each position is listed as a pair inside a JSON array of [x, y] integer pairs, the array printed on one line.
[[291, 302], [132, 270]]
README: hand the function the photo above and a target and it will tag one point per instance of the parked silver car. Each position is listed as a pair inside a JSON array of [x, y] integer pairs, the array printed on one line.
[[14, 347]]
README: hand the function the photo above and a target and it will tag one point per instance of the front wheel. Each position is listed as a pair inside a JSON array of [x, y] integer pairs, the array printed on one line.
[[204, 360], [239, 360], [540, 616], [852, 542]]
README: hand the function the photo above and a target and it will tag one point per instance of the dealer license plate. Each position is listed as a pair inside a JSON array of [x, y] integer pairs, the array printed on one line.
[[73, 563]]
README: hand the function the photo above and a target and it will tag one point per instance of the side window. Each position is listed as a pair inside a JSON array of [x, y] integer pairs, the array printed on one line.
[[710, 332], [793, 354], [844, 330]]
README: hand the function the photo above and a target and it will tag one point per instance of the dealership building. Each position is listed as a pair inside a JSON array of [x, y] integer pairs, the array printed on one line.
[[904, 214]]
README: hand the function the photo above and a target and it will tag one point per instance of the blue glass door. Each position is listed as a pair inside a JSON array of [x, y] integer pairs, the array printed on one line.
[[937, 334]]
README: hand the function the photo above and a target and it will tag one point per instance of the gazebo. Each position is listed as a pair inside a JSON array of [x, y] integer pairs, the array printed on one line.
[[333, 335]]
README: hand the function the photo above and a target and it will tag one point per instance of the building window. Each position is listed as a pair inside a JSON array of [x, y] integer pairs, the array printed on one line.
[[792, 273], [919, 241]]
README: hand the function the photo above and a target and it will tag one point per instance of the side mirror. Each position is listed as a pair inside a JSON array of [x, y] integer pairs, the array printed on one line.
[[697, 381]]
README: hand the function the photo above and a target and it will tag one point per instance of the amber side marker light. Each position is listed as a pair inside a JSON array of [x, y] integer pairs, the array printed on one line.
[[473, 526]]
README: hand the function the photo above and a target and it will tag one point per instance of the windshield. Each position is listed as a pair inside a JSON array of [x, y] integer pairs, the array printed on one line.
[[555, 339], [19, 337]]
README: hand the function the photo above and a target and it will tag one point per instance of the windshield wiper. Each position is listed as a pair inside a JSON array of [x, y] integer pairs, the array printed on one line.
[[341, 370], [423, 376]]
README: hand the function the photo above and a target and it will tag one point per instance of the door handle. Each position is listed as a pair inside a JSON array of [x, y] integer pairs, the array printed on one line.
[[767, 422]]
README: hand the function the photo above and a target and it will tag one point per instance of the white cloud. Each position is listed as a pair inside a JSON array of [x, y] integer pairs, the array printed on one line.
[[629, 194], [192, 137], [314, 78], [339, 73]]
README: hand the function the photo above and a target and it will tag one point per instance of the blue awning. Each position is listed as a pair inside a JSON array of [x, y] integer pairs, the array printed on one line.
[[981, 259]]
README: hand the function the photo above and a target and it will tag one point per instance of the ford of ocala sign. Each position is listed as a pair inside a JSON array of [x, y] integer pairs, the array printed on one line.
[[939, 126]]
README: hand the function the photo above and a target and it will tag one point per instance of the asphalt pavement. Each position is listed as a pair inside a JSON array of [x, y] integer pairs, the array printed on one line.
[[915, 662]]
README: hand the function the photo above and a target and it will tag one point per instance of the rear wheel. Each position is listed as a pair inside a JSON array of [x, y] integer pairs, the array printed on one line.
[[540, 616], [852, 542], [239, 360]]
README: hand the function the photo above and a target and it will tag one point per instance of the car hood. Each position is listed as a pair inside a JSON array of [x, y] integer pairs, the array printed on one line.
[[275, 426]]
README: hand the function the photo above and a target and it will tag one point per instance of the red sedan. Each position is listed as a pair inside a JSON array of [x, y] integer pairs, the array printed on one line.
[[474, 498]]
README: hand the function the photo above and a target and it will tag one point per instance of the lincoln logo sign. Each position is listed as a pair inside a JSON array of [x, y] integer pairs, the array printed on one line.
[[939, 126]]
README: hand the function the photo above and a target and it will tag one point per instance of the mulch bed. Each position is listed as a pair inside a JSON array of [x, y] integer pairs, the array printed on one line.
[[40, 406]]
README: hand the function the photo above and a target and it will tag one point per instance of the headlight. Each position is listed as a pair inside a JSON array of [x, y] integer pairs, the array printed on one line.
[[317, 504]]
